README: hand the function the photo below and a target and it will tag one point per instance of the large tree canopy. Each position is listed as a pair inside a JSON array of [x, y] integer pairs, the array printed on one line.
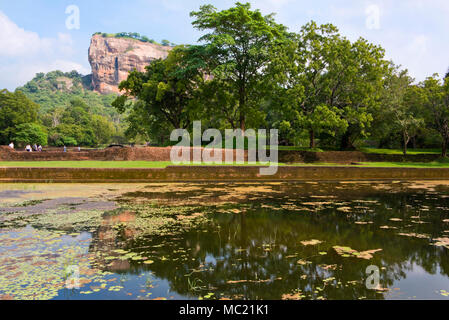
[[249, 71], [238, 42], [77, 126], [15, 109], [433, 95], [30, 133], [398, 111], [165, 93], [329, 84]]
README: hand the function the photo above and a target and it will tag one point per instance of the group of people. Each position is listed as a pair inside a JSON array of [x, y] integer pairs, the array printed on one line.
[[28, 148], [35, 148]]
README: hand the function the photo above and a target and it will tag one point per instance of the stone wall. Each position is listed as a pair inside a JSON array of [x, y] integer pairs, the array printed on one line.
[[109, 154], [219, 174], [163, 154]]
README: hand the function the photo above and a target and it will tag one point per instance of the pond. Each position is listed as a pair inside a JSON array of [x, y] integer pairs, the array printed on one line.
[[225, 241]]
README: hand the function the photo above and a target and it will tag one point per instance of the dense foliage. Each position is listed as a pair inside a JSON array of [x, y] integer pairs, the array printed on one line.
[[70, 112], [56, 89], [15, 110], [317, 87], [28, 133], [251, 72]]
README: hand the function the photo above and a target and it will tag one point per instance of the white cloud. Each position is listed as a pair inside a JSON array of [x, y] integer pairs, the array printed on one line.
[[25, 53], [15, 41]]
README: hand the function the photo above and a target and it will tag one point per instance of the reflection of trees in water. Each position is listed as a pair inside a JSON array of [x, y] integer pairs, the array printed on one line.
[[213, 259]]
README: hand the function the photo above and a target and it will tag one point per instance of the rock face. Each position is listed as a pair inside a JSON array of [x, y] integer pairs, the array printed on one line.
[[112, 58]]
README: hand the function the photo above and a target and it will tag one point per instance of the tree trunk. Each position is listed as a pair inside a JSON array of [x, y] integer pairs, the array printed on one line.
[[346, 143], [312, 139], [242, 122], [406, 140], [444, 148], [242, 105]]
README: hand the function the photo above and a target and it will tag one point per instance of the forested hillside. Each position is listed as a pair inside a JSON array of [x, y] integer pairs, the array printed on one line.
[[56, 89], [71, 113]]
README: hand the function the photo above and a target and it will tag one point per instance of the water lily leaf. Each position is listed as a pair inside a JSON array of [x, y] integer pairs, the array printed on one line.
[[312, 242]]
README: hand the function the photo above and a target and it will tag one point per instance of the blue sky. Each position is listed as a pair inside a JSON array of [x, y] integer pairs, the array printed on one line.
[[34, 36]]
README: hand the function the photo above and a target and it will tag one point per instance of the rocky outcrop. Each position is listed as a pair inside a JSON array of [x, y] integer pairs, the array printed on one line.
[[113, 58]]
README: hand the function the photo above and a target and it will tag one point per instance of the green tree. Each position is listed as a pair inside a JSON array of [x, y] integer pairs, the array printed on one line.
[[358, 77], [103, 129], [238, 50], [301, 68], [15, 109], [77, 113], [328, 83], [55, 93], [66, 134], [323, 120], [78, 126], [433, 95], [312, 50], [166, 93], [30, 133], [399, 112]]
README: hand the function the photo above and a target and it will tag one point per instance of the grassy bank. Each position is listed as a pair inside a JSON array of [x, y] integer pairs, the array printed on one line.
[[442, 163], [398, 151], [97, 164], [435, 164]]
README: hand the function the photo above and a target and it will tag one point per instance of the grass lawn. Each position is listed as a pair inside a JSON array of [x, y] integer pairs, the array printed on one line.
[[292, 148], [98, 164], [366, 150], [435, 164], [398, 151]]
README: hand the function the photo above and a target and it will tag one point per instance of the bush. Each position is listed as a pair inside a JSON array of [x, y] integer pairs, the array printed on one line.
[[30, 133]]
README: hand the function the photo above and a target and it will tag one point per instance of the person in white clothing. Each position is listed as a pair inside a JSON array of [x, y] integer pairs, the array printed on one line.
[[11, 145], [28, 148]]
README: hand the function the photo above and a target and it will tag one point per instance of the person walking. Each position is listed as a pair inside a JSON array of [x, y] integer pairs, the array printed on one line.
[[11, 145], [65, 149], [39, 148]]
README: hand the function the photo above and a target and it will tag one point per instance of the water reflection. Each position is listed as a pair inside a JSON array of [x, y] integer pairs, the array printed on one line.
[[258, 245]]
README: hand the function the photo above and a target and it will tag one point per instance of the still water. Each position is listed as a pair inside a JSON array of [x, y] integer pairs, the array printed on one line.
[[225, 241]]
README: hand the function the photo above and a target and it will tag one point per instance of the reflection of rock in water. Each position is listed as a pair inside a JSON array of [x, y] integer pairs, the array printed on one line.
[[112, 235]]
